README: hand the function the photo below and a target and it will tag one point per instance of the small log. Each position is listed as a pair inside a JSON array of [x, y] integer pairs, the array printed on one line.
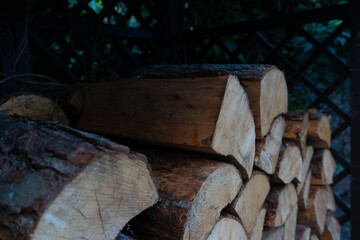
[[228, 228], [331, 199], [193, 191], [315, 214], [308, 154], [257, 229], [259, 81], [279, 204], [332, 229], [296, 127], [267, 149], [57, 182], [289, 164], [302, 232], [303, 191], [323, 167], [319, 130], [244, 206], [207, 114], [33, 106], [290, 224]]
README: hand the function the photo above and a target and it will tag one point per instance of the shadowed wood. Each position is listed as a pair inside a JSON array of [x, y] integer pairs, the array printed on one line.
[[57, 182], [207, 114], [302, 232], [257, 229], [228, 228], [272, 233], [296, 127], [308, 154], [315, 214], [303, 191], [332, 229], [249, 201], [319, 130], [323, 168], [33, 106], [193, 191], [259, 82], [289, 164], [279, 204], [267, 149]]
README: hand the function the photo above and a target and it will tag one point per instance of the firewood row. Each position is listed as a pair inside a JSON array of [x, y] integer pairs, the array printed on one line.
[[212, 152]]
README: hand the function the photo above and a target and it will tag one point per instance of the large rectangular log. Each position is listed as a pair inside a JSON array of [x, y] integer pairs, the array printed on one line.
[[207, 114], [61, 183]]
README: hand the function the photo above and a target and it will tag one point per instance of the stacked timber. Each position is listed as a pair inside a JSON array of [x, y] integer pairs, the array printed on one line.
[[225, 159]]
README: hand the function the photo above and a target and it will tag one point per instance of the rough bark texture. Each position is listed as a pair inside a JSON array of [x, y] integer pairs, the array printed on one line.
[[259, 82], [303, 191], [279, 204], [54, 184], [207, 114], [34, 106], [289, 164], [332, 229], [319, 131], [296, 127], [302, 232], [249, 201], [193, 191], [228, 228], [257, 229], [323, 167], [315, 214], [267, 149]]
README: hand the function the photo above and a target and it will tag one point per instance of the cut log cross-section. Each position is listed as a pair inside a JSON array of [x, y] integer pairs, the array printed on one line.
[[250, 200], [315, 214], [319, 130], [323, 167], [33, 106], [60, 183], [303, 191], [307, 157], [289, 164], [228, 228], [257, 229], [193, 191], [279, 204], [267, 149], [302, 232], [207, 114], [296, 127], [332, 229], [259, 81]]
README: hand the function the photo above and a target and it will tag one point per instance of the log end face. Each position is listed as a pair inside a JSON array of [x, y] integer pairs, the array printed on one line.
[[320, 205], [227, 228]]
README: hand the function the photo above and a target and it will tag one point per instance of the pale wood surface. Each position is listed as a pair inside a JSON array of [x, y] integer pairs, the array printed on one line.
[[228, 228], [303, 191], [249, 201], [279, 204], [268, 148], [323, 167], [302, 232], [272, 233], [307, 156], [257, 229], [33, 106], [331, 199], [319, 130], [208, 114], [332, 229], [290, 224]]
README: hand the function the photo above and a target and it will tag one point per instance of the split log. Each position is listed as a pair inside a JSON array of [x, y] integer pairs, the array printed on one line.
[[323, 167], [207, 114], [57, 182], [249, 201], [193, 191], [290, 224], [33, 106], [332, 229], [228, 228], [259, 81], [315, 214], [303, 191], [331, 199], [302, 232], [308, 154], [279, 204], [319, 131], [289, 164], [314, 237], [272, 233], [296, 127], [267, 149], [257, 229]]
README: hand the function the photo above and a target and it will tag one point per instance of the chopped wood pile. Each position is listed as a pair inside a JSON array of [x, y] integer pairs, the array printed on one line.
[[215, 153]]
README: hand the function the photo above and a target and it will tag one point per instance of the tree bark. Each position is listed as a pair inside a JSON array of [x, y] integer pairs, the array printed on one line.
[[207, 114], [319, 131], [323, 167], [57, 182], [228, 228], [259, 82], [193, 191], [267, 149]]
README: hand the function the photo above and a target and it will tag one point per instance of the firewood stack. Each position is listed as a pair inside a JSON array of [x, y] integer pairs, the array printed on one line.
[[227, 157]]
